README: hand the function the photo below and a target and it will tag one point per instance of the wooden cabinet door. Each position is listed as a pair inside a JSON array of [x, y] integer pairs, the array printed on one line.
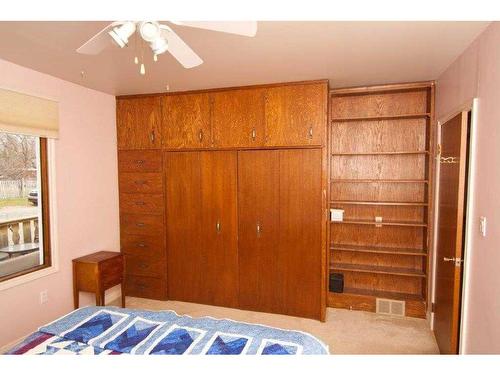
[[184, 242], [295, 115], [219, 228], [301, 231], [138, 123], [186, 121], [261, 273], [238, 118]]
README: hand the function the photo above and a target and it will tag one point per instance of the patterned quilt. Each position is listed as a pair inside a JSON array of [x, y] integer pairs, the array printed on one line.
[[112, 330]]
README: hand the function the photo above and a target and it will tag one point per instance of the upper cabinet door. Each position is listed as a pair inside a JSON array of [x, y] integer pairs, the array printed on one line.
[[295, 115], [138, 123], [186, 121], [238, 118]]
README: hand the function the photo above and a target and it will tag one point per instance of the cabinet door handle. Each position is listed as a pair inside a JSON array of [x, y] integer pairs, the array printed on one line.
[[254, 134], [259, 229], [311, 132], [217, 226], [200, 135], [152, 136]]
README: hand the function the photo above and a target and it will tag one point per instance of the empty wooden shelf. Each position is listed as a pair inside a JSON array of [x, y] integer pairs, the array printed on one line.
[[378, 118], [378, 250], [377, 269], [380, 142]]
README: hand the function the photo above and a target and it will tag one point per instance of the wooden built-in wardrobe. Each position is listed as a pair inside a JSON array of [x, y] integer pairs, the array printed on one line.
[[223, 196]]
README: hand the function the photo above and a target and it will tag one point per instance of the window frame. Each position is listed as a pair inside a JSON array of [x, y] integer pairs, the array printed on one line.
[[45, 217]]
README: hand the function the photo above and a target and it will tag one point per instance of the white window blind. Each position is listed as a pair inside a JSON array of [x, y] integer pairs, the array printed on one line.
[[27, 114]]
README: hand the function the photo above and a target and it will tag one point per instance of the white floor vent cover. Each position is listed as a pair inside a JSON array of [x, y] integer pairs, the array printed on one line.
[[390, 307]]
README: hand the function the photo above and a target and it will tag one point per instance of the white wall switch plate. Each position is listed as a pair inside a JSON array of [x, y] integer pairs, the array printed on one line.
[[44, 296], [482, 225]]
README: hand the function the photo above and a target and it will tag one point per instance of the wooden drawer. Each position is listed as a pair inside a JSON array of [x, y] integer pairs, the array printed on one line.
[[136, 244], [149, 225], [139, 161], [111, 272], [131, 203], [140, 265], [141, 182], [145, 287]]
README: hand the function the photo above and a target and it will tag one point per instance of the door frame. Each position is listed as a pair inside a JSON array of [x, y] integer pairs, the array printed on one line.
[[472, 106]]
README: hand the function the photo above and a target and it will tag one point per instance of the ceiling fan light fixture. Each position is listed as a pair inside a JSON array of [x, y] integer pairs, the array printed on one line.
[[159, 45], [120, 34], [149, 30]]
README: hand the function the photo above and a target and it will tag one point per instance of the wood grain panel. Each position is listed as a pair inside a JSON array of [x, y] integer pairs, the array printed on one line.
[[261, 271], [184, 242], [238, 118], [132, 203], [378, 191], [394, 135], [292, 113], [300, 230], [380, 104], [218, 198], [139, 161], [141, 182], [138, 123], [379, 167], [366, 235], [388, 213], [186, 121]]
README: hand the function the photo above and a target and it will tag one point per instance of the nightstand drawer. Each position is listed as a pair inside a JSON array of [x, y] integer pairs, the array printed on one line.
[[139, 161], [140, 265], [142, 224], [131, 203], [148, 183], [146, 287], [111, 272]]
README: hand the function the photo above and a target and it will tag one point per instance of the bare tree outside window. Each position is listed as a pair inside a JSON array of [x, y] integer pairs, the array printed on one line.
[[21, 248]]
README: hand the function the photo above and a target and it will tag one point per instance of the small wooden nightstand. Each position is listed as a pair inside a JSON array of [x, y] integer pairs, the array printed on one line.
[[97, 272]]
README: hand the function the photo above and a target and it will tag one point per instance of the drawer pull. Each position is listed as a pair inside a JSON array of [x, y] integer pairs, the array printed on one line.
[[140, 224], [141, 244], [140, 203], [141, 286], [143, 265], [140, 182], [140, 162]]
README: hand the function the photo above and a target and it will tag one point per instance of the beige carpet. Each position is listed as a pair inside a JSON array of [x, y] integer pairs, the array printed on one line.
[[345, 332]]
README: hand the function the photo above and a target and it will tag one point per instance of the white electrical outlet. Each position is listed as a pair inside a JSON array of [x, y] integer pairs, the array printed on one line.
[[44, 296], [482, 225]]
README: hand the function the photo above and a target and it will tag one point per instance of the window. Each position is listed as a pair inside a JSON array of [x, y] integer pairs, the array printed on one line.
[[24, 206]]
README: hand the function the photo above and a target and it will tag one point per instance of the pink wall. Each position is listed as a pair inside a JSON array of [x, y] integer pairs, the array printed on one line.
[[87, 195], [476, 73]]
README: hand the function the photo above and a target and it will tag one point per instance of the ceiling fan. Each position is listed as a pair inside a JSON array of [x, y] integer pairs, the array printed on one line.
[[161, 38]]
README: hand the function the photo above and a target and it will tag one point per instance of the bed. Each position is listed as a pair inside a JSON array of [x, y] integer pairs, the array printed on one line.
[[114, 331]]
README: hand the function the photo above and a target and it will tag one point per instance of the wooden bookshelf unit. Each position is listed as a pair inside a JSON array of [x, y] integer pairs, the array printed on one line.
[[380, 149]]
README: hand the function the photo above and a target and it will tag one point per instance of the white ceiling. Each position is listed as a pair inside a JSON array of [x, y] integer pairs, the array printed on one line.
[[347, 53]]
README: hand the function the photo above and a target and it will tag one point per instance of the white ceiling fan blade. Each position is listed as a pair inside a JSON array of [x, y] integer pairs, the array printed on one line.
[[179, 49], [99, 41], [246, 28]]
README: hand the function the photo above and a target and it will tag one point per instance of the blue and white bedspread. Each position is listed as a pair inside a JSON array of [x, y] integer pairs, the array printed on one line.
[[112, 330]]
